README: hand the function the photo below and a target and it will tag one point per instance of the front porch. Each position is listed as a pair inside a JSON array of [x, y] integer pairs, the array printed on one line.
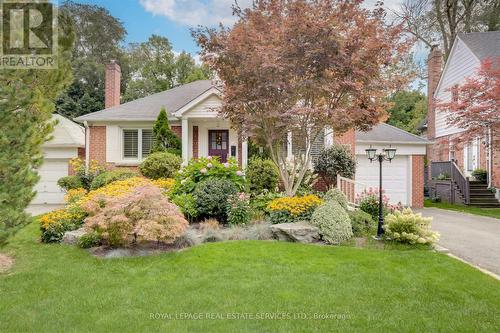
[[202, 137]]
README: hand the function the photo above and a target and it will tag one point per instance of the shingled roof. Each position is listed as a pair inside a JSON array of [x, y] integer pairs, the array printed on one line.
[[482, 44], [66, 133], [385, 133], [148, 108]]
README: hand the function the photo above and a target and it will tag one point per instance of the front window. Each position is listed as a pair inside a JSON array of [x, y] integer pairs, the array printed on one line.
[[137, 142]]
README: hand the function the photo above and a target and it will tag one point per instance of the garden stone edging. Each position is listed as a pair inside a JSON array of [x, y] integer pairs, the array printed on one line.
[[72, 237], [301, 232]]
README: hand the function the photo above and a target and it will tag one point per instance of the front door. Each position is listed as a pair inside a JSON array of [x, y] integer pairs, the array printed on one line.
[[218, 144]]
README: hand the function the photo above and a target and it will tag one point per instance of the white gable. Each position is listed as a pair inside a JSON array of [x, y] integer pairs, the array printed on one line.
[[461, 63], [205, 106]]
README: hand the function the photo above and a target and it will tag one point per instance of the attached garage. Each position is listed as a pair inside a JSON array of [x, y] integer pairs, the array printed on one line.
[[403, 178], [68, 142], [396, 177]]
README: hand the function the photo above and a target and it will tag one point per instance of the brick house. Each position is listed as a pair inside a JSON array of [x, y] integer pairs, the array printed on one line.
[[121, 135], [464, 60]]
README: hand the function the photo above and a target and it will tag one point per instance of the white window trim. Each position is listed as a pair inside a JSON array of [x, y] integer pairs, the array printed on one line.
[[139, 143]]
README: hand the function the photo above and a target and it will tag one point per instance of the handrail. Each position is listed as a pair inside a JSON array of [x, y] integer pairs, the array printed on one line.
[[461, 181], [350, 188], [440, 168]]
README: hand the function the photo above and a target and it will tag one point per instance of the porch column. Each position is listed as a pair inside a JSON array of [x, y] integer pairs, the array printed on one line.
[[185, 140], [244, 154]]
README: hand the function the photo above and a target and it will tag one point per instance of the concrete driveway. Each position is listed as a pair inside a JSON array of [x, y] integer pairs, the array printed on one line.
[[42, 209], [475, 239]]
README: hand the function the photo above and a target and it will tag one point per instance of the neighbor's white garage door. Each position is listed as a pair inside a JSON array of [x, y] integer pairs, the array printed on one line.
[[48, 192], [395, 178]]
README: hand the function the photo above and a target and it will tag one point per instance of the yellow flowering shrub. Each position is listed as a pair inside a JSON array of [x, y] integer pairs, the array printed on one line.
[[116, 189], [164, 183], [54, 217], [54, 224], [81, 204], [290, 209], [74, 195], [295, 205]]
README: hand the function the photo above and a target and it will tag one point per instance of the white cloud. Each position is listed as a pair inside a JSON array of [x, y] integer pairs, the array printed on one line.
[[212, 12], [194, 12]]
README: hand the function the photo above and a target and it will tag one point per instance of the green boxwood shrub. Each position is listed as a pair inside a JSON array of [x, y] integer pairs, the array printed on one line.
[[362, 223], [211, 198], [262, 174], [336, 195], [70, 183], [333, 223], [108, 177], [160, 165]]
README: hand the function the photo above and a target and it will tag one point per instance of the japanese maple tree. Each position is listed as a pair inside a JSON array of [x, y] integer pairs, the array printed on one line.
[[297, 66], [474, 105]]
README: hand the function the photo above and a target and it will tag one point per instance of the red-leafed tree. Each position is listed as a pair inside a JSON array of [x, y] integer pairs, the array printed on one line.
[[474, 104], [298, 66]]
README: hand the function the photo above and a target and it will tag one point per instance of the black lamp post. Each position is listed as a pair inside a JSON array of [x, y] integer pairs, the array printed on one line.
[[387, 154]]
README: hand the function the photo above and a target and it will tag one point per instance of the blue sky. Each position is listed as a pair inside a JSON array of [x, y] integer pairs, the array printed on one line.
[[174, 18]]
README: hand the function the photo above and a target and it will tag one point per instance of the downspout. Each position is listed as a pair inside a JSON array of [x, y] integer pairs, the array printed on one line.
[[87, 146]]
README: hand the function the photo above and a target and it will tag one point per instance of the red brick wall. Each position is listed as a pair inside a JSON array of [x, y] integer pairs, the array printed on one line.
[[195, 141], [495, 172], [417, 194], [112, 85], [177, 130], [348, 138], [98, 143], [434, 67]]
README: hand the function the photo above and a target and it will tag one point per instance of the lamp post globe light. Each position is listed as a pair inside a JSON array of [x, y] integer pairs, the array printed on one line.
[[387, 154]]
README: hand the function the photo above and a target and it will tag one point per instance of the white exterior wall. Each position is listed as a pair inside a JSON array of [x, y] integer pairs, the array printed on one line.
[[114, 141], [461, 64], [204, 115]]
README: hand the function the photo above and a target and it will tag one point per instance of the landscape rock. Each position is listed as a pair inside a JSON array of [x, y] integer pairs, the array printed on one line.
[[301, 232], [72, 237]]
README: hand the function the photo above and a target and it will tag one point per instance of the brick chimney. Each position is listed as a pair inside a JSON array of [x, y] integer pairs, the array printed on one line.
[[434, 67], [112, 85]]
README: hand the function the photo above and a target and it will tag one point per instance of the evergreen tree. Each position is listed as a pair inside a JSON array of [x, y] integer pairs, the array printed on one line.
[[26, 103], [164, 138]]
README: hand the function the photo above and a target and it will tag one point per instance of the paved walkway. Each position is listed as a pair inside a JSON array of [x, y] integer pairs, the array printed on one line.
[[473, 238]]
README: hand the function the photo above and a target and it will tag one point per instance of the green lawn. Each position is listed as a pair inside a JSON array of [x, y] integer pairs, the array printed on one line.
[[491, 212], [58, 288]]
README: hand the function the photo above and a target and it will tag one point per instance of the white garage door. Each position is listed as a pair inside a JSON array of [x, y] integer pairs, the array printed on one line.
[[48, 192], [395, 177]]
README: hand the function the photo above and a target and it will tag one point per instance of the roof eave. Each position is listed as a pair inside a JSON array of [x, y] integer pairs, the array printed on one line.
[[395, 142]]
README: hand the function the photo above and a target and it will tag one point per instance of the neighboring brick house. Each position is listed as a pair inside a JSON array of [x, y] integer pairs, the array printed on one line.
[[464, 60], [121, 135]]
